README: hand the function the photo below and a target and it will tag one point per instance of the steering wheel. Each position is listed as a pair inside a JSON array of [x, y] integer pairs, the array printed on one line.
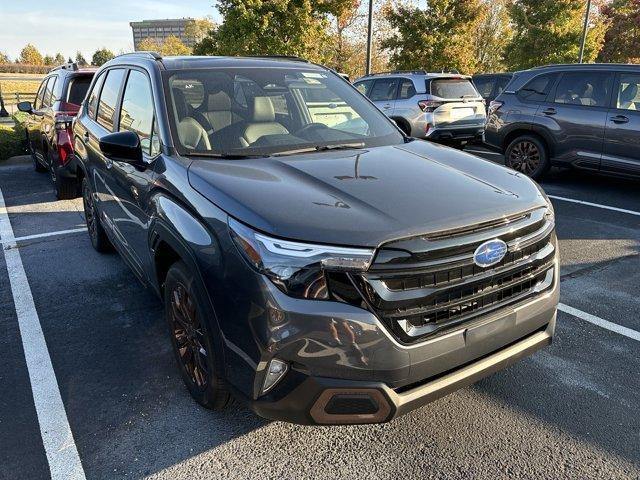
[[310, 127]]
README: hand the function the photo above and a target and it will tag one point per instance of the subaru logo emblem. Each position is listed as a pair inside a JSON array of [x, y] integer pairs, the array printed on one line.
[[489, 253]]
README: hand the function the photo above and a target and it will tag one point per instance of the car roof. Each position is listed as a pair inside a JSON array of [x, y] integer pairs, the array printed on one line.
[[413, 74], [583, 66]]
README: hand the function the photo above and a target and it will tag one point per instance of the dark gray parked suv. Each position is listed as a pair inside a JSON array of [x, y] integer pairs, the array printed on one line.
[[585, 116], [313, 261]]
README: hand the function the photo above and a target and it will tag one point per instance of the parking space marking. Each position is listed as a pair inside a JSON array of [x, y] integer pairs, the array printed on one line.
[[597, 205], [600, 322], [57, 438], [43, 235]]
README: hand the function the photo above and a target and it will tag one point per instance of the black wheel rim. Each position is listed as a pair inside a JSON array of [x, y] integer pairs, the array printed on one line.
[[188, 336], [525, 157], [89, 213]]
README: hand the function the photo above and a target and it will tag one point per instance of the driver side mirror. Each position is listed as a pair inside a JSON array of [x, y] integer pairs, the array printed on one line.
[[122, 146], [25, 107]]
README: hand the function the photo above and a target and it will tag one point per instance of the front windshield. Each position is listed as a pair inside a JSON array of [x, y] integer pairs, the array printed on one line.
[[267, 111]]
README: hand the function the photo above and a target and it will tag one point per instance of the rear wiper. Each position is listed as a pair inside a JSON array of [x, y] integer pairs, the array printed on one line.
[[321, 148], [225, 156]]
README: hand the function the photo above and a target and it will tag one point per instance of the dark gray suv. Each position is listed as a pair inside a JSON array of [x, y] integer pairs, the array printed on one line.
[[585, 116], [313, 261]]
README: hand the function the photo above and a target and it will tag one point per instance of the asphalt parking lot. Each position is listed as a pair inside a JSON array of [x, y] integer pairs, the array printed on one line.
[[569, 411]]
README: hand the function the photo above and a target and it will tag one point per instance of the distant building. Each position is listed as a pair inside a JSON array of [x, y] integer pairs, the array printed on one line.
[[160, 30]]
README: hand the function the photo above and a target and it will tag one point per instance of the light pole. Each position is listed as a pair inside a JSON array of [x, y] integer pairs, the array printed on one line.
[[584, 30], [369, 37]]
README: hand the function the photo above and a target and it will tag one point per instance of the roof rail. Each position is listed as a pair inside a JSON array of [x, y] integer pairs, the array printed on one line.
[[283, 57], [66, 66], [140, 53], [395, 72]]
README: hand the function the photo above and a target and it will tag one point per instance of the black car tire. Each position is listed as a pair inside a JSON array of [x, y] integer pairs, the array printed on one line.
[[186, 313], [528, 154], [98, 236], [66, 188]]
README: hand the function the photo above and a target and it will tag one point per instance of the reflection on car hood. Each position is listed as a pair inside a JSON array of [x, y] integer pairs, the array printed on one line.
[[364, 197]]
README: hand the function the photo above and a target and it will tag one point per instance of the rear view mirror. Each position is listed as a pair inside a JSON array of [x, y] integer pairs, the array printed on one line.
[[122, 146], [25, 107]]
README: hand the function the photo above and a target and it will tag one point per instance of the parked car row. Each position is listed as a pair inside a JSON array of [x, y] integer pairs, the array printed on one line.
[[315, 261]]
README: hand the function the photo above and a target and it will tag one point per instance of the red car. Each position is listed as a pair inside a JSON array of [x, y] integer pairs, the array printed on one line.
[[48, 128]]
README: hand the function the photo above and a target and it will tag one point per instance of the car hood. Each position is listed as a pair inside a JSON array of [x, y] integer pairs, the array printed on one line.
[[364, 197]]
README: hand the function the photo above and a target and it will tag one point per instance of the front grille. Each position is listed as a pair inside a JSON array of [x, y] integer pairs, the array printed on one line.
[[428, 285]]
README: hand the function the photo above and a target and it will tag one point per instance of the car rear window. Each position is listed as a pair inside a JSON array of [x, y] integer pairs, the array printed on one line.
[[78, 89], [452, 88]]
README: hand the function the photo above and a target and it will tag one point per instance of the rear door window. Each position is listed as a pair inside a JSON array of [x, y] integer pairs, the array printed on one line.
[[628, 92], [109, 98], [452, 88], [407, 89], [589, 89], [384, 89]]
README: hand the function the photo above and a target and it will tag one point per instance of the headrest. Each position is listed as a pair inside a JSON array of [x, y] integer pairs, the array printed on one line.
[[219, 102], [182, 108], [629, 92], [263, 110]]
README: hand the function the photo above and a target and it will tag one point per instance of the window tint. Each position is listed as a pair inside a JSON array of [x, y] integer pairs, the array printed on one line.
[[538, 88], [136, 113], [584, 88], [501, 84], [92, 104], [407, 89], [78, 89], [485, 85], [628, 92], [40, 96], [384, 89], [452, 88], [364, 87], [109, 98], [48, 93]]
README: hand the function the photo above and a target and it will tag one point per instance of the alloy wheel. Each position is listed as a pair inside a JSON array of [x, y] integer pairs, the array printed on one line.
[[525, 157], [189, 336]]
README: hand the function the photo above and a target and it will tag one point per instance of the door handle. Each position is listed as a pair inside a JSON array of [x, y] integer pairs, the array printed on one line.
[[549, 111], [620, 119]]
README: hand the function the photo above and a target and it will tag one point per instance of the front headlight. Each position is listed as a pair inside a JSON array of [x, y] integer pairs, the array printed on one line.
[[298, 269]]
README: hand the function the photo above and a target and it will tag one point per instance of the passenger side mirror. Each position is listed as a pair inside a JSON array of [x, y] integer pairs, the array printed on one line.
[[122, 146], [25, 107]]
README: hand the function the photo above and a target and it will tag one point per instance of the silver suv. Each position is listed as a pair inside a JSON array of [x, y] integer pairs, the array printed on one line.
[[442, 107]]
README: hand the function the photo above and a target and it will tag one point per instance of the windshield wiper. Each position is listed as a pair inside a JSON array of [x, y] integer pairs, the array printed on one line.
[[532, 90], [224, 156], [321, 148]]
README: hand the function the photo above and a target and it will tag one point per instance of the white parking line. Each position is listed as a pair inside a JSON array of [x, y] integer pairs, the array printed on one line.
[[587, 317], [43, 235], [597, 205], [60, 448]]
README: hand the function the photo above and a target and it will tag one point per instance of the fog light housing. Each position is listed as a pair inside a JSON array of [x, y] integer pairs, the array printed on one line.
[[275, 372]]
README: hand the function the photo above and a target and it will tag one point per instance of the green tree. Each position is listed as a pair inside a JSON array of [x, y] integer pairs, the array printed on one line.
[[437, 37], [174, 46], [30, 56], [149, 45], [4, 58], [493, 33], [549, 31], [80, 60], [48, 60], [197, 30], [261, 27], [59, 59], [101, 56], [622, 37]]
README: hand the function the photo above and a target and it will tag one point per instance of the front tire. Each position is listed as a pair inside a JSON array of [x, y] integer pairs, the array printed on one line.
[[98, 236], [527, 154], [186, 314]]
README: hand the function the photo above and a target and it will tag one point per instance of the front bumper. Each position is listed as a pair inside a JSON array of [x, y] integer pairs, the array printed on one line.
[[337, 350]]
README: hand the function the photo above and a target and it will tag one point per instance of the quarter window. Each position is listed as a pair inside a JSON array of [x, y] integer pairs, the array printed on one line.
[[384, 89], [538, 88], [589, 89], [364, 87], [136, 113], [40, 96], [48, 93], [92, 104], [628, 94], [109, 98]]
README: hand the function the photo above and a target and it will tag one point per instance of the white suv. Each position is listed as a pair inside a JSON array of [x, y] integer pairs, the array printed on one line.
[[442, 107]]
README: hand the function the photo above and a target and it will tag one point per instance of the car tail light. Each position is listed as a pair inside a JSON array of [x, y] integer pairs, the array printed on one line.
[[64, 137], [494, 106], [428, 105]]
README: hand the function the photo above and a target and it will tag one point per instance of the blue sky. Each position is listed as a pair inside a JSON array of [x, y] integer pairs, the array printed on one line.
[[69, 25]]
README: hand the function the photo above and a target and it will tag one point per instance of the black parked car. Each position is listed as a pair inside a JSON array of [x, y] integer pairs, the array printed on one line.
[[313, 261], [585, 116], [48, 127], [490, 85]]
